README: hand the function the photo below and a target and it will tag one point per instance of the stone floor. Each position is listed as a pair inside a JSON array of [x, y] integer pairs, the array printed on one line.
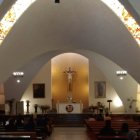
[[69, 133]]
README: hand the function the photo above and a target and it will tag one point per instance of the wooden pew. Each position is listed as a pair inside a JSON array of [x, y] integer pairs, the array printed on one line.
[[114, 138], [111, 137], [32, 135], [96, 126], [11, 137]]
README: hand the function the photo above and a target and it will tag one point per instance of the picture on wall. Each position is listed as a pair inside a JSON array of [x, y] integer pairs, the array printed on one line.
[[100, 89], [39, 90]]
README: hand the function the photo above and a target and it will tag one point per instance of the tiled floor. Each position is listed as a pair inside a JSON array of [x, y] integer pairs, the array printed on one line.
[[68, 133]]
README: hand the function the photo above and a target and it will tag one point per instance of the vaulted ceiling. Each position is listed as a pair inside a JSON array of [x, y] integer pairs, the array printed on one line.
[[47, 28]]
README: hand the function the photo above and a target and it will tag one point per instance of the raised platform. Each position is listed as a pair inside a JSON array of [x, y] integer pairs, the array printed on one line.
[[70, 120], [79, 119], [74, 119]]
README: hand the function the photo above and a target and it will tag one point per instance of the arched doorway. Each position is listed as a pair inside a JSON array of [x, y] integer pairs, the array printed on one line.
[[78, 88]]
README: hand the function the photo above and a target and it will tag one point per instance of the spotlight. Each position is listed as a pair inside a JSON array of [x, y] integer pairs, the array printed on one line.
[[121, 74], [18, 75]]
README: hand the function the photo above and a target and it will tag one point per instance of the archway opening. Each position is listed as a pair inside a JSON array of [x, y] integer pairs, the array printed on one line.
[[70, 74]]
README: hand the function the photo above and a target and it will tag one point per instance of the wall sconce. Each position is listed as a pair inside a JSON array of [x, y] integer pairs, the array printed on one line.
[[121, 74], [18, 76]]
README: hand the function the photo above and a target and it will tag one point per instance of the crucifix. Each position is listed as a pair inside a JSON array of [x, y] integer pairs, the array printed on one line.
[[69, 73]]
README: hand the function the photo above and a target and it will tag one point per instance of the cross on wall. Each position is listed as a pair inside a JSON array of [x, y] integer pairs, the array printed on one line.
[[69, 74]]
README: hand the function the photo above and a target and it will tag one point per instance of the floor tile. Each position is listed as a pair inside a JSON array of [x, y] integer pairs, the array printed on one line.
[[68, 133]]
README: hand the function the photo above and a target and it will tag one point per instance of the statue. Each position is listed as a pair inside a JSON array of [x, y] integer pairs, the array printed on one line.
[[69, 73]]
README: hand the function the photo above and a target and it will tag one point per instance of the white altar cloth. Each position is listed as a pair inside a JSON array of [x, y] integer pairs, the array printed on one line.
[[66, 108]]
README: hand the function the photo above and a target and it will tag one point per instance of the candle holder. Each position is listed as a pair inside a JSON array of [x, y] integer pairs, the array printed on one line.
[[27, 106], [109, 101], [36, 107]]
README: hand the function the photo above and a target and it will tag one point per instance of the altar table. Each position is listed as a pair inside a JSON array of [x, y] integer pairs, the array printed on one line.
[[65, 108]]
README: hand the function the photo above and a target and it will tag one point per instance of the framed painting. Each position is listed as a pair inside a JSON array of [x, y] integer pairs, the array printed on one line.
[[39, 90], [100, 89]]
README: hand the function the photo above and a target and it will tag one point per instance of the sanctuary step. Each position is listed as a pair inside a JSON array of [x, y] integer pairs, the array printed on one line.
[[69, 119]]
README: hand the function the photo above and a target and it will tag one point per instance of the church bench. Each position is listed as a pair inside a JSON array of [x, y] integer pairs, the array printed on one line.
[[114, 138], [111, 137], [113, 123], [11, 137], [32, 135], [40, 131], [96, 126]]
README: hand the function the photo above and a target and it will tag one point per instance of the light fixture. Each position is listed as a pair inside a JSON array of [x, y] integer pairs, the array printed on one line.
[[117, 102], [18, 76], [121, 74], [109, 101]]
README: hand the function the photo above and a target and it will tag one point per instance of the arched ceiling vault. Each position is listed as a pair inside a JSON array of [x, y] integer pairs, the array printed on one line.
[[85, 24], [107, 67]]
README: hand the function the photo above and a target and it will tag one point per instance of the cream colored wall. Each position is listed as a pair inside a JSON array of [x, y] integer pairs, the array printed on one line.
[[59, 81], [126, 88], [138, 99], [43, 76], [96, 75]]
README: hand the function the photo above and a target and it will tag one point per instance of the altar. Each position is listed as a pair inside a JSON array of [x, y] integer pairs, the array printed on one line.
[[66, 108]]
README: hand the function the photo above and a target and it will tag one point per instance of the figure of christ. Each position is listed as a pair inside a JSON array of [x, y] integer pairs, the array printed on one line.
[[69, 73]]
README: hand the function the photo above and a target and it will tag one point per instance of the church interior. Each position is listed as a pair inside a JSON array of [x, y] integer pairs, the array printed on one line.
[[69, 59]]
